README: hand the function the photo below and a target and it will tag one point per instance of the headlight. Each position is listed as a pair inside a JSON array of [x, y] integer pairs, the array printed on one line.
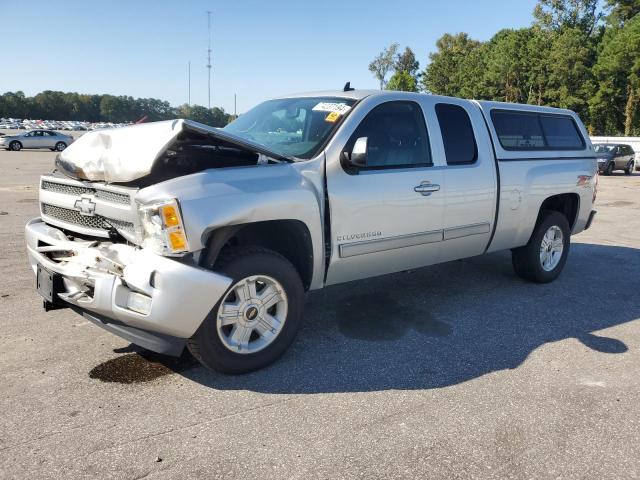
[[162, 228]]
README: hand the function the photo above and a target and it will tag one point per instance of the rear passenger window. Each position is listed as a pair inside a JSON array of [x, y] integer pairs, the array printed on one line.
[[457, 134], [536, 131], [561, 132]]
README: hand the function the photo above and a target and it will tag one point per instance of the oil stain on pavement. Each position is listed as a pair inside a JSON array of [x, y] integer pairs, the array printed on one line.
[[377, 317], [140, 367]]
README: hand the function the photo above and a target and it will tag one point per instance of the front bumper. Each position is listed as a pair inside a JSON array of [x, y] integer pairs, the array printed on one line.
[[99, 276]]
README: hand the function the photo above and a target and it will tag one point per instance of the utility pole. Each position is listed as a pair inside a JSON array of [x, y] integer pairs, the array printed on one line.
[[209, 59], [235, 105], [189, 88]]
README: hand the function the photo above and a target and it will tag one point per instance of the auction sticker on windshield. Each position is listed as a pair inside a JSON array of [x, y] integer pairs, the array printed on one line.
[[339, 108]]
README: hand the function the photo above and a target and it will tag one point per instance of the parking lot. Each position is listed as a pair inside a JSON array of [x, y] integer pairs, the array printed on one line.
[[460, 370]]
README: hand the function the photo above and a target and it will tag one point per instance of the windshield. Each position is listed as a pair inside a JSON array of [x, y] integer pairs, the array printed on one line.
[[293, 127], [604, 148]]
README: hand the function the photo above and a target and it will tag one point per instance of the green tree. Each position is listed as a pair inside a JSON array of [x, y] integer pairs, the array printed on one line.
[[402, 81], [583, 15], [615, 106], [383, 63], [455, 68], [622, 10], [406, 62]]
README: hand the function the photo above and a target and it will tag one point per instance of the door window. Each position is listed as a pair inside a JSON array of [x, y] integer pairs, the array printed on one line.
[[396, 136], [457, 134]]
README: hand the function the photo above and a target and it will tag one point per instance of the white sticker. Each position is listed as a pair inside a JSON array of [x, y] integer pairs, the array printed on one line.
[[341, 108]]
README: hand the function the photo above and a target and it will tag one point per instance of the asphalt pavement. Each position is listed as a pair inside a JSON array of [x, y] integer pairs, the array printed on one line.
[[459, 370]]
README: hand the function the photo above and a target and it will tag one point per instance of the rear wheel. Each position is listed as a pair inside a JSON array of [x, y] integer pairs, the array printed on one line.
[[257, 318], [15, 146], [543, 258], [630, 167], [60, 146]]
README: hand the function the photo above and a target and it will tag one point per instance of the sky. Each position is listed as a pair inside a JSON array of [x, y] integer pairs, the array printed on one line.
[[261, 49]]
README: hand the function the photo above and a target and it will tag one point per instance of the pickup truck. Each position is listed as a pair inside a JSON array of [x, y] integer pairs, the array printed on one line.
[[174, 234]]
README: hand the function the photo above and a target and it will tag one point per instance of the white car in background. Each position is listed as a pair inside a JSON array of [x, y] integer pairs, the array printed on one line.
[[36, 139]]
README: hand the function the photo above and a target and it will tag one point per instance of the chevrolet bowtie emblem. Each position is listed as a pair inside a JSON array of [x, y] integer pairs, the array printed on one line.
[[85, 206]]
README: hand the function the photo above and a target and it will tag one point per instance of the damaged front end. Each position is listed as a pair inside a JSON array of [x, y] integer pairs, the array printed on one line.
[[141, 155], [151, 300]]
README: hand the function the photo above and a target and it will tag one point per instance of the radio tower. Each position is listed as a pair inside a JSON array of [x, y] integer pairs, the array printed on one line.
[[209, 59]]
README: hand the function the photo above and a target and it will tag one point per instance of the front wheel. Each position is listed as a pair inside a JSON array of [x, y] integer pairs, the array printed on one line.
[[60, 146], [15, 146], [257, 318], [609, 169], [629, 169], [543, 258]]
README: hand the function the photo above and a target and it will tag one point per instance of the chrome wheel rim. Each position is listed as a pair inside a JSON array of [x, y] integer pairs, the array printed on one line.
[[60, 147], [551, 248], [252, 314]]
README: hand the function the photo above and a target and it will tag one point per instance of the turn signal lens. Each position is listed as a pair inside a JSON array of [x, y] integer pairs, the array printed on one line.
[[170, 216], [177, 241]]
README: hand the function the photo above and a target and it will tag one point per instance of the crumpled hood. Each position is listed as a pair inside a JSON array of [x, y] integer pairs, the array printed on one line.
[[129, 153]]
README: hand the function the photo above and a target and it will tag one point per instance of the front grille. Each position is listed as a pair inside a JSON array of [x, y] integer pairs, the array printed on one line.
[[66, 189], [113, 197], [106, 195], [96, 222]]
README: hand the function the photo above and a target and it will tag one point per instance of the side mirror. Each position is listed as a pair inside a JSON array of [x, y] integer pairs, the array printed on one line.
[[358, 156]]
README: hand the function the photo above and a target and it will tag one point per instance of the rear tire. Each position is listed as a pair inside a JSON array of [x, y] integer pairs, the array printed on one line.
[[15, 146], [215, 345], [543, 258]]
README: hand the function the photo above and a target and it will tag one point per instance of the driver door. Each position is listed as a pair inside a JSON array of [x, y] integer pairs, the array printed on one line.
[[387, 213]]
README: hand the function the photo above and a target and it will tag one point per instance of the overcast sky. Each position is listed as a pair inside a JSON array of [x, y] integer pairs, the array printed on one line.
[[260, 48]]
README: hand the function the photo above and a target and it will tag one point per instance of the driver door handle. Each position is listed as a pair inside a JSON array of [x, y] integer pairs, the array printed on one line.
[[426, 188]]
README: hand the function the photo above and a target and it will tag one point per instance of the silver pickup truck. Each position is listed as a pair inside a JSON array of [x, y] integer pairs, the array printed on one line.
[[175, 234]]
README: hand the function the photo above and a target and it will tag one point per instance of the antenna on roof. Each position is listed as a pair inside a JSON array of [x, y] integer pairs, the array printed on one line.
[[348, 87]]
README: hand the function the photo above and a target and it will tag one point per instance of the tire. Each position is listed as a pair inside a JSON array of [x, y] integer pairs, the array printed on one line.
[[528, 260], [630, 168], [15, 146], [60, 146], [213, 343], [609, 169]]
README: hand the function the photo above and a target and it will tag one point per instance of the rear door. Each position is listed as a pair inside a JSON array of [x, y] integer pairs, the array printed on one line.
[[386, 216], [470, 179]]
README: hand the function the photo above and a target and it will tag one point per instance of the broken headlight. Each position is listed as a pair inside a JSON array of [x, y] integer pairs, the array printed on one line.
[[162, 228]]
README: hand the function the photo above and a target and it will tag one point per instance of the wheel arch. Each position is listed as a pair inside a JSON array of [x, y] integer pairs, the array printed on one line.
[[566, 203], [290, 238]]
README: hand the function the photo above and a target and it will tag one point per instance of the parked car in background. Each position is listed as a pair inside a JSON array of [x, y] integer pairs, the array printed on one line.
[[36, 139], [615, 156]]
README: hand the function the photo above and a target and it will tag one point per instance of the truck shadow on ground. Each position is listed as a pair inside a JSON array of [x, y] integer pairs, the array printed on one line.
[[444, 325]]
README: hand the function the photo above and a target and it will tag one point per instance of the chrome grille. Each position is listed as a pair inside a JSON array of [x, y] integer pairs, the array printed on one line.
[[113, 197], [106, 195], [95, 222], [66, 189]]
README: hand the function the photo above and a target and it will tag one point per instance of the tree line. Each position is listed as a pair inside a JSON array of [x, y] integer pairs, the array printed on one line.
[[576, 55], [53, 105]]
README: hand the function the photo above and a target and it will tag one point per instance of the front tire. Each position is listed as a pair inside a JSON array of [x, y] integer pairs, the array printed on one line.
[[609, 169], [257, 318], [60, 146], [630, 168], [543, 258], [15, 146]]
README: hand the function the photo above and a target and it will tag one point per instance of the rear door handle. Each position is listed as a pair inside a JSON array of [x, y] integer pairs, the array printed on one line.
[[426, 188]]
